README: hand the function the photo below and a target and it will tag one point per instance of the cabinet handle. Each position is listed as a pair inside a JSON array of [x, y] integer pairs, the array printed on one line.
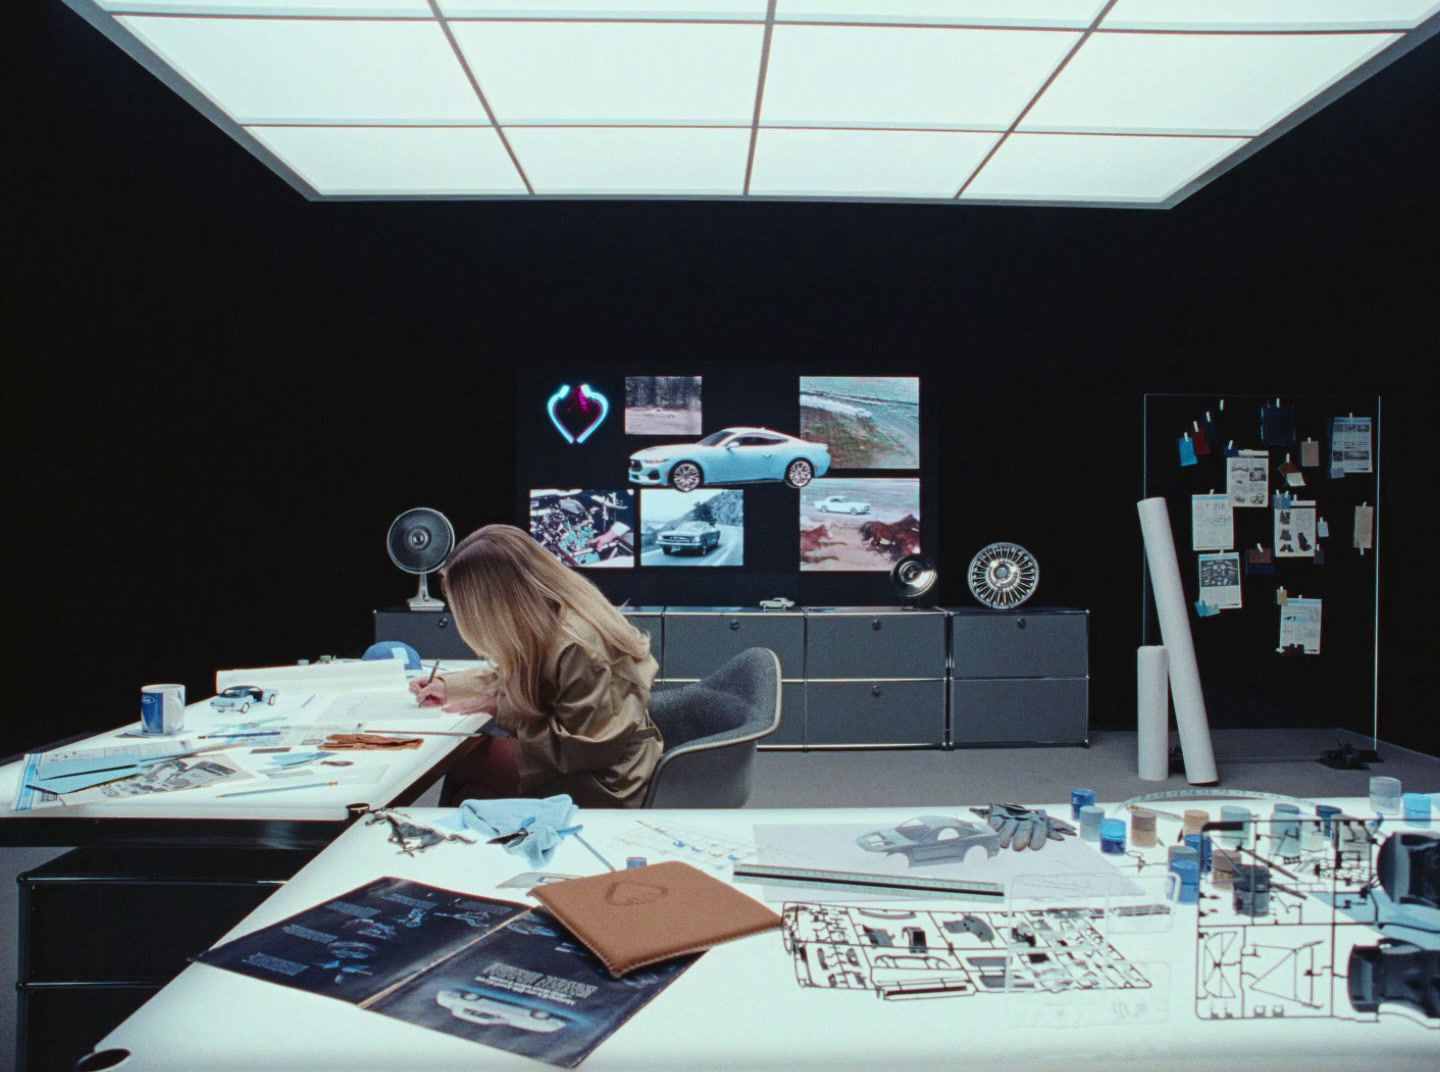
[[734, 623], [874, 690], [443, 623], [875, 624], [1019, 623]]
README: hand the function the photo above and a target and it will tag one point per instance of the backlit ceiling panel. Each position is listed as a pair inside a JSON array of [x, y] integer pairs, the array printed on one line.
[[1098, 102]]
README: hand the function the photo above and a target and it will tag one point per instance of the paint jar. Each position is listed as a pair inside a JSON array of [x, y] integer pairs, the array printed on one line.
[[1285, 830], [1417, 809], [1080, 798], [1142, 828], [1251, 886], [1327, 813], [1233, 813], [1185, 863], [1112, 836], [1222, 867], [1385, 793], [1203, 848], [1195, 818], [1091, 816]]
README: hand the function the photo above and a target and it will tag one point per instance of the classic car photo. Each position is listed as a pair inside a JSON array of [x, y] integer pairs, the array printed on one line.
[[242, 698], [930, 838], [477, 1008], [699, 536], [842, 504], [731, 456]]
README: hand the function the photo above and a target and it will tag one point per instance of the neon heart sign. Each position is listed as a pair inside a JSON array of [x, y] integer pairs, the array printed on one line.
[[577, 411]]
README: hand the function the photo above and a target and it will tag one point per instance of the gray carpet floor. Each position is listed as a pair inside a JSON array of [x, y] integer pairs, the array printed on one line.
[[1278, 761]]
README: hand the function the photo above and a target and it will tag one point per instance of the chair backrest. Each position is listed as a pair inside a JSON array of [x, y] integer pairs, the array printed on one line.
[[710, 730]]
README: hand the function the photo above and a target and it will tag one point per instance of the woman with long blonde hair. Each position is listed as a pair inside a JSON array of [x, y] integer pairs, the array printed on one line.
[[571, 678]]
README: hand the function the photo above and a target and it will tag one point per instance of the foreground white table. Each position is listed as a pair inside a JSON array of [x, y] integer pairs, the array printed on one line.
[[740, 1005]]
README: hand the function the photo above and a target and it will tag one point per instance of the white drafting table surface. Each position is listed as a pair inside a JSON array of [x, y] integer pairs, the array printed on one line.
[[398, 768], [740, 1005]]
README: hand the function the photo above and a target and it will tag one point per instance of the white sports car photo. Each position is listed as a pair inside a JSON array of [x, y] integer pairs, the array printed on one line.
[[731, 456], [842, 504]]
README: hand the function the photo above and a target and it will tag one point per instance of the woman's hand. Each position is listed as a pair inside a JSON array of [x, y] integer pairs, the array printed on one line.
[[435, 694]]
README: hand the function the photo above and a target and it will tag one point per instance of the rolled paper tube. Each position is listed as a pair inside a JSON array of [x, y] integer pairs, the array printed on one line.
[[1152, 712], [1195, 818], [1174, 614], [1142, 828]]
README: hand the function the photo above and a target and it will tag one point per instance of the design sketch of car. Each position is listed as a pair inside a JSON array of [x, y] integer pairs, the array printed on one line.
[[842, 504], [731, 456], [242, 698], [691, 536], [928, 838], [476, 1008]]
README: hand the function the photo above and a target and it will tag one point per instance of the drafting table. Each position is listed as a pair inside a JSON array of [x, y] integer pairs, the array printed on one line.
[[302, 818], [740, 1005]]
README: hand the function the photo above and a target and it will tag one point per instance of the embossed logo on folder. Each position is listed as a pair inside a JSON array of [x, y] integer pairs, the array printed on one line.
[[624, 894]]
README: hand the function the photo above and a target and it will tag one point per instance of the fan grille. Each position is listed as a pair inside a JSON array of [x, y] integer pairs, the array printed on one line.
[[420, 540], [1003, 575]]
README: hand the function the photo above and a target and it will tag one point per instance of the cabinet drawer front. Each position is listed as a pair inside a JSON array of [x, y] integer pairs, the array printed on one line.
[[654, 625], [699, 644], [893, 645], [1033, 711], [432, 634], [1016, 644], [878, 712]]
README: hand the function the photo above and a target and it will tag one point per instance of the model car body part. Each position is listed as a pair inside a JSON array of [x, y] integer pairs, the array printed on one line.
[[731, 456], [931, 838]]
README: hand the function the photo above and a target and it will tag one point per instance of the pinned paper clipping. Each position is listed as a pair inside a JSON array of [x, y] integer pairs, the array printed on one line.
[[1309, 453], [1212, 523], [1364, 528], [1187, 450], [1295, 530], [1294, 478], [1220, 581], [1300, 626], [1247, 477], [1350, 446]]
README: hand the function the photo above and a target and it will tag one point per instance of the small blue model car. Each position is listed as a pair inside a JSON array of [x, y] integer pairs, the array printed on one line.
[[731, 456], [243, 697], [928, 838], [698, 536]]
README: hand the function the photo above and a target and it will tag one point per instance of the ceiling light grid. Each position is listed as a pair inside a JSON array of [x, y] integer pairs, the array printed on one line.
[[1107, 102]]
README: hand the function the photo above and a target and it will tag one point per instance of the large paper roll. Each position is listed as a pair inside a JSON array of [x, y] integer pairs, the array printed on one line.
[[1190, 717], [1152, 719]]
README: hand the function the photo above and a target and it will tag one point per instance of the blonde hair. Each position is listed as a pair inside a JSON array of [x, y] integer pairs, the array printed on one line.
[[511, 600]]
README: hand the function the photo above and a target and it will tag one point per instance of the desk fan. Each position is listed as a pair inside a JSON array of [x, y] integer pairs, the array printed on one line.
[[419, 541]]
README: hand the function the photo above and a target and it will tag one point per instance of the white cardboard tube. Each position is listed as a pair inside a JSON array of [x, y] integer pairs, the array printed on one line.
[[1152, 713], [1190, 717]]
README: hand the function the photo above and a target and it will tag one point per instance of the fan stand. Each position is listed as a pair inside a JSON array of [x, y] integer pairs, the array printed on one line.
[[423, 600]]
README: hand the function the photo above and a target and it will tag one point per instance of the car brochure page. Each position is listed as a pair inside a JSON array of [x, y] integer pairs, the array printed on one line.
[[490, 971]]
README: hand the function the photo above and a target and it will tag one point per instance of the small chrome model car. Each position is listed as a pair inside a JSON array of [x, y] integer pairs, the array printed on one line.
[[842, 504], [477, 1008], [731, 456], [242, 698], [698, 536], [778, 603], [928, 838]]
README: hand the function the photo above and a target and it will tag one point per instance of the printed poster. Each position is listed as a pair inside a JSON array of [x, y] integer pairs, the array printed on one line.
[[1295, 530], [1220, 580], [1350, 439], [1247, 478], [1300, 625], [1212, 523]]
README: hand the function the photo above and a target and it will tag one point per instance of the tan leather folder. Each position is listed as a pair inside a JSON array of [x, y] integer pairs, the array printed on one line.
[[644, 915]]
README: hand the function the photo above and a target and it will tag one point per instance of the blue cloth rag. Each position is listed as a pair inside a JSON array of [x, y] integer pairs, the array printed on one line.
[[543, 821]]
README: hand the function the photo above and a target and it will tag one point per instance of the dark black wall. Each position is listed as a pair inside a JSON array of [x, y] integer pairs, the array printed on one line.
[[217, 395]]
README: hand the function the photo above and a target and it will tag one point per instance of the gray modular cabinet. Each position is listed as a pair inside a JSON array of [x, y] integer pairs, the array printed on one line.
[[874, 675], [431, 633], [1020, 677], [699, 640]]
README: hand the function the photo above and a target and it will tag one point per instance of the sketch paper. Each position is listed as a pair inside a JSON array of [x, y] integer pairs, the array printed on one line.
[[1212, 523], [1295, 530], [1350, 445], [1300, 625], [1073, 867], [40, 767], [1220, 580], [1247, 478], [1364, 528], [319, 678]]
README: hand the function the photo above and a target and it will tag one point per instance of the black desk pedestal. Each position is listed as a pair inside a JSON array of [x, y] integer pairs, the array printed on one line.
[[102, 929]]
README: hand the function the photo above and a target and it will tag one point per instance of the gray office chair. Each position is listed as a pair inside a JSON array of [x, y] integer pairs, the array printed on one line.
[[710, 729]]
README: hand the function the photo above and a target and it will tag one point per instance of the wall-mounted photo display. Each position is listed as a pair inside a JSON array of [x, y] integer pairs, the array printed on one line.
[[700, 528], [585, 527], [868, 422], [662, 405], [860, 524]]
